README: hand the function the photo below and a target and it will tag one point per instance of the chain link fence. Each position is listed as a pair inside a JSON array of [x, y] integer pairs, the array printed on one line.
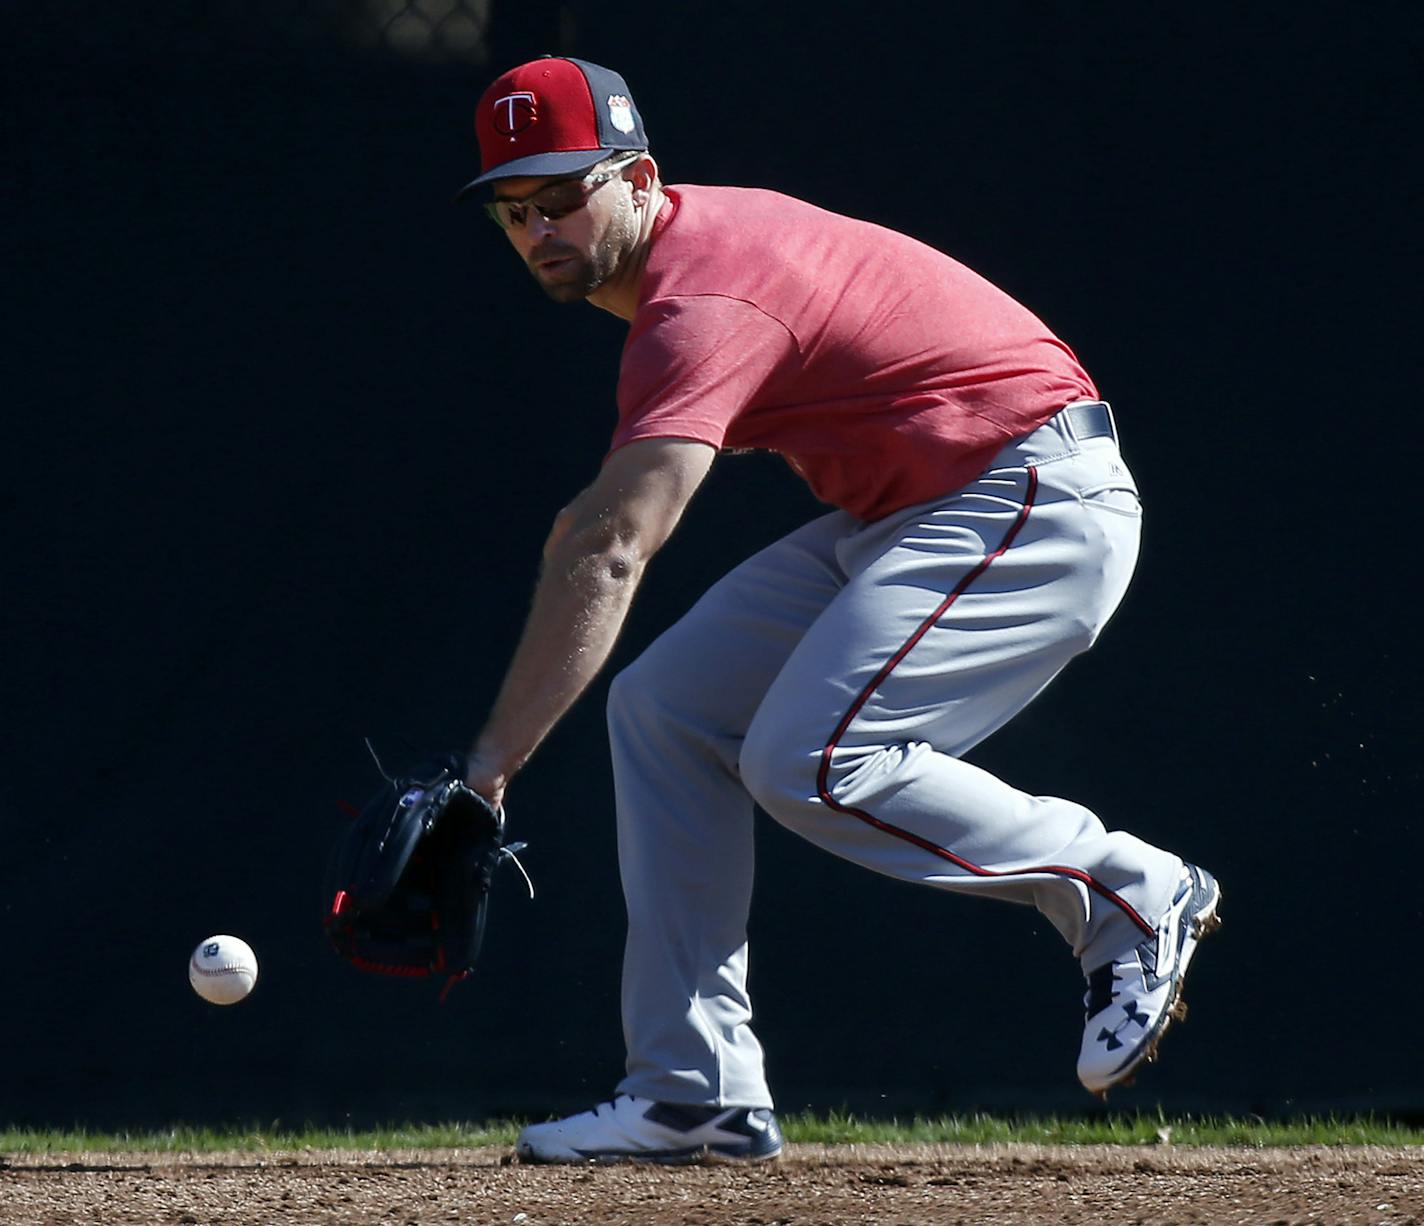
[[422, 29], [458, 31]]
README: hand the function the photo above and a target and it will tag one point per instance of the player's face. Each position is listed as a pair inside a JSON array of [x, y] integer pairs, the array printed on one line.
[[573, 253]]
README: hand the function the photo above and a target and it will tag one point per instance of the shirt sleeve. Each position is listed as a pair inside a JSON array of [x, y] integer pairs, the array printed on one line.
[[692, 364]]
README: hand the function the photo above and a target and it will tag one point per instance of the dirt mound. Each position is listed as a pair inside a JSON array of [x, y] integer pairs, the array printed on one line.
[[809, 1186]]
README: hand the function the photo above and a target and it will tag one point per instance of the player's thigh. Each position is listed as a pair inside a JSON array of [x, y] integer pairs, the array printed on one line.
[[712, 667], [952, 619]]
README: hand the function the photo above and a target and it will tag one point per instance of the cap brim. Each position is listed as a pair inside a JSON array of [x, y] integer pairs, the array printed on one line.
[[570, 162]]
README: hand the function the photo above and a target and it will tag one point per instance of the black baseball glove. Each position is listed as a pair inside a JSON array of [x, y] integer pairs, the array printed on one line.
[[409, 881]]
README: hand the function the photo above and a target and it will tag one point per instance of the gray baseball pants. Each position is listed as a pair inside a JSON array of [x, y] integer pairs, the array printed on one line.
[[834, 679]]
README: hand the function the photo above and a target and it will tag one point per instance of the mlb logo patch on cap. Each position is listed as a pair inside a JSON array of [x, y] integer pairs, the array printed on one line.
[[554, 116], [620, 112]]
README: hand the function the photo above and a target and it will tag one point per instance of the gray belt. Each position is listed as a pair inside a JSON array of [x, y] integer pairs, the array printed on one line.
[[1061, 435], [1089, 419]]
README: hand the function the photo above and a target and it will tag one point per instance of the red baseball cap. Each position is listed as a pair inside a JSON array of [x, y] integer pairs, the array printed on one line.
[[553, 116]]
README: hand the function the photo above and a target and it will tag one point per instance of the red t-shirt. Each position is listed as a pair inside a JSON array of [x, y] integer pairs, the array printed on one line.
[[885, 372]]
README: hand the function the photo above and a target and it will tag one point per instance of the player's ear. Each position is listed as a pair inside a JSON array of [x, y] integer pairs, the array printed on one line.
[[642, 175]]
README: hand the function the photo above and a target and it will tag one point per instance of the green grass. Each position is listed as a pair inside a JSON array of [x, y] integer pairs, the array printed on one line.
[[1114, 1129], [255, 1140], [837, 1128]]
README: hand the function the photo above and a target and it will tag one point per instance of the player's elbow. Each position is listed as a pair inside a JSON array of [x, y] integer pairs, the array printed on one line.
[[598, 556], [557, 532], [616, 546], [610, 565], [620, 566]]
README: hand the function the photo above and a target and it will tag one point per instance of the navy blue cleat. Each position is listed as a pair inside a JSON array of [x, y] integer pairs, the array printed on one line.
[[630, 1129]]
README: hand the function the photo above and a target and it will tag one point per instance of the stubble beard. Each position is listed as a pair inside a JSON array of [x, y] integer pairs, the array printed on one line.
[[590, 277], [594, 271]]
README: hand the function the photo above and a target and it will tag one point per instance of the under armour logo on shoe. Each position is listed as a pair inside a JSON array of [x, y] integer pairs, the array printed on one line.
[[1110, 1037]]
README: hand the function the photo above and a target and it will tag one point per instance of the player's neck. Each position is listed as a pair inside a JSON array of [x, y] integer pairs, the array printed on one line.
[[619, 295]]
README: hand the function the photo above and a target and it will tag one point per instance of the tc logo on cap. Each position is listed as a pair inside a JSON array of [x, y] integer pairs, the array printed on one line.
[[514, 112]]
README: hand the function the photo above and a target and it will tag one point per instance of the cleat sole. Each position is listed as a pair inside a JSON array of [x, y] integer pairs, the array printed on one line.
[[693, 1156]]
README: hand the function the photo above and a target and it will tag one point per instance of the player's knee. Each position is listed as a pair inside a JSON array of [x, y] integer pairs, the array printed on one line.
[[779, 769], [795, 783], [631, 694]]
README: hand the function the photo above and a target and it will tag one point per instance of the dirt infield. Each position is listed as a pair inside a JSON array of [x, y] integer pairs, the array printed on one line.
[[810, 1186]]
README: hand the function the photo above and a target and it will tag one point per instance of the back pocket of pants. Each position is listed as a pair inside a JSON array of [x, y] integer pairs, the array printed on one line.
[[1116, 496]]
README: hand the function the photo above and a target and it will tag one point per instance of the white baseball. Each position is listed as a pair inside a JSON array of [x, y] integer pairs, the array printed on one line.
[[223, 970]]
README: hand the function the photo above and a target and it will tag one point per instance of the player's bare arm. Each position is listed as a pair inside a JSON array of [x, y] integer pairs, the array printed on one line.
[[594, 560]]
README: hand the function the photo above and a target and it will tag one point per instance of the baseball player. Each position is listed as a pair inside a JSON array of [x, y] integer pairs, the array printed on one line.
[[983, 529]]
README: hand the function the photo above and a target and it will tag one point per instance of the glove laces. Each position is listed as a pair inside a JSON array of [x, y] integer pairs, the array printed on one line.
[[508, 853]]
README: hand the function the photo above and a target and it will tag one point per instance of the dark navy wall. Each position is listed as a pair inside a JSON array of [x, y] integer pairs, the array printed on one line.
[[284, 430]]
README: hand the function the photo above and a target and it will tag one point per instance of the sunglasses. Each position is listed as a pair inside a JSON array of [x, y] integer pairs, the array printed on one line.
[[554, 201]]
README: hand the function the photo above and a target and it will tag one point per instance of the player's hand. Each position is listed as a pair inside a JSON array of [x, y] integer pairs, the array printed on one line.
[[486, 778]]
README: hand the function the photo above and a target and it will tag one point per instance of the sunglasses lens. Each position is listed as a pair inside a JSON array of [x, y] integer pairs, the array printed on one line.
[[555, 201], [560, 200], [506, 213]]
